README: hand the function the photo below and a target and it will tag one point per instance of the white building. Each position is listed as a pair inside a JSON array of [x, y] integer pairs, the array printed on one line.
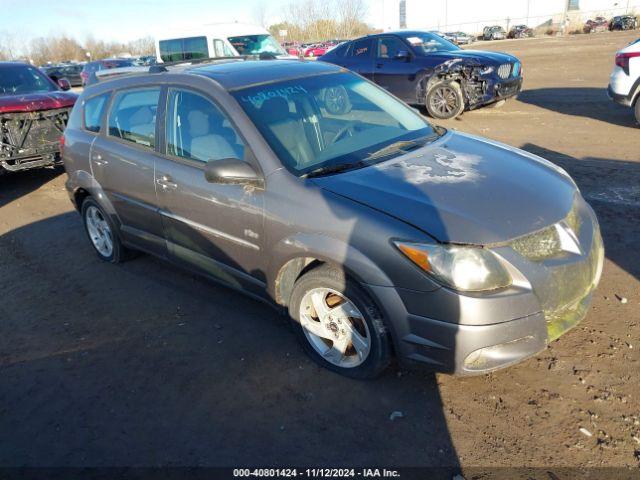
[[473, 15]]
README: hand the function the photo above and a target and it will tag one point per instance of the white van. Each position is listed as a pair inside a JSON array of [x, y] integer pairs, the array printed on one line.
[[217, 40]]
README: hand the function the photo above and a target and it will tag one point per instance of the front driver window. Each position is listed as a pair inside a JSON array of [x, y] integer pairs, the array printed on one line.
[[389, 47], [197, 130]]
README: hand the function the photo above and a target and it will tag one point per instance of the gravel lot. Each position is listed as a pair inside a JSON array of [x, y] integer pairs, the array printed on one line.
[[144, 364]]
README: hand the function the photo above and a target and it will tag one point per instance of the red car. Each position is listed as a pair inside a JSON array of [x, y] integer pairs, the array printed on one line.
[[598, 24], [33, 115], [317, 50]]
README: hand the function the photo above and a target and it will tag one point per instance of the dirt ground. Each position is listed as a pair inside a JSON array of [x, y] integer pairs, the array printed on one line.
[[143, 364]]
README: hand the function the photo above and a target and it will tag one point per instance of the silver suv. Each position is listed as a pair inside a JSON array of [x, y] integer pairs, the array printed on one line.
[[313, 189]]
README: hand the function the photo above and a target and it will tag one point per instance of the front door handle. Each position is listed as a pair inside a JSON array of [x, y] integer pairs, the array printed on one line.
[[379, 65], [165, 181]]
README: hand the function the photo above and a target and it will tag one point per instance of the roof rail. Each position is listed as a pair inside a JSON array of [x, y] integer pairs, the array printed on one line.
[[103, 75]]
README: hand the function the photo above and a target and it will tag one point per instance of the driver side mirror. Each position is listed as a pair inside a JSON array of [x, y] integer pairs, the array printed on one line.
[[231, 171], [64, 84], [403, 55]]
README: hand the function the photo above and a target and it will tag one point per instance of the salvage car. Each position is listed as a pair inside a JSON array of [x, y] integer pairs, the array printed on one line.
[[33, 114], [623, 22], [495, 32], [624, 82], [598, 24], [313, 189], [520, 31], [424, 69]]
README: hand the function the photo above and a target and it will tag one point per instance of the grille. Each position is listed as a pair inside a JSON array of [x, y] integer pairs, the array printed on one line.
[[504, 71]]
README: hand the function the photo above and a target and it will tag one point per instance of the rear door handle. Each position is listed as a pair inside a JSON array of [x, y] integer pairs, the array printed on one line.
[[165, 181], [97, 159], [379, 65]]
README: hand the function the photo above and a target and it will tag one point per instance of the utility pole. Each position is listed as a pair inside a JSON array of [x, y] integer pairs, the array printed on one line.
[[528, 9], [564, 17], [446, 14]]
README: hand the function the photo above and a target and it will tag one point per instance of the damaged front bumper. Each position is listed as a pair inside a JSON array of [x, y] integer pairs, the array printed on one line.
[[470, 334], [31, 139]]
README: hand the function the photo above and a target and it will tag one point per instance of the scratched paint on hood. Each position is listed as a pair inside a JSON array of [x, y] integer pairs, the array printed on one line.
[[435, 166]]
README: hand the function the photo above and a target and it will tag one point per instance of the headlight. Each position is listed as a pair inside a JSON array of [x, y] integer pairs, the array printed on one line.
[[463, 268]]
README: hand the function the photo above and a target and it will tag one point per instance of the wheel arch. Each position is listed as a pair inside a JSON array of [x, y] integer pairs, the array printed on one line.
[[314, 250]]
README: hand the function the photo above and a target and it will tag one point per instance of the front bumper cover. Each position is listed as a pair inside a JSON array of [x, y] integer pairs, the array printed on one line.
[[483, 333]]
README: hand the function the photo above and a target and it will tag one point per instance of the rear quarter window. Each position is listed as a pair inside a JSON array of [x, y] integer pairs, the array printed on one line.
[[92, 112]]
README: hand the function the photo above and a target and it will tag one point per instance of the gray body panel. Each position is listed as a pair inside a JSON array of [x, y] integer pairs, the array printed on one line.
[[460, 189]]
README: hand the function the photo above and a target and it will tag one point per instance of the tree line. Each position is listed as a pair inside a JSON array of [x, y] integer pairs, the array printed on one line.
[[62, 48], [317, 20]]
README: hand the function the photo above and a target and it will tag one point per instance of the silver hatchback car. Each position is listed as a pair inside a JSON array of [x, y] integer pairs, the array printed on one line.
[[309, 187]]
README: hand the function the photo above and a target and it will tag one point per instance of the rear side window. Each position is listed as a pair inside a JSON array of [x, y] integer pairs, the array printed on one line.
[[340, 50], [361, 48], [93, 109], [179, 49], [133, 116]]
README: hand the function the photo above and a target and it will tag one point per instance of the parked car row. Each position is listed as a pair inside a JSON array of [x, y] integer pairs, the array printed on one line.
[[619, 22]]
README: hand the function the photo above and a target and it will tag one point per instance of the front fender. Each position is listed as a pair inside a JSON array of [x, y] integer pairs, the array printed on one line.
[[308, 246]]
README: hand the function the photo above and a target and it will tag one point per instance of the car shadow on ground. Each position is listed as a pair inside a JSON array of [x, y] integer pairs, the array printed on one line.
[[145, 364], [612, 188], [581, 102], [14, 185]]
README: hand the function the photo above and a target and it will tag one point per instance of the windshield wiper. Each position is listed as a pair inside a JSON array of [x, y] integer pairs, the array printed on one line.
[[403, 146], [331, 169]]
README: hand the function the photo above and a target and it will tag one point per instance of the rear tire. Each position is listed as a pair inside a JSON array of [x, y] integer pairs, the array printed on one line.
[[338, 324], [102, 233], [444, 100], [637, 110]]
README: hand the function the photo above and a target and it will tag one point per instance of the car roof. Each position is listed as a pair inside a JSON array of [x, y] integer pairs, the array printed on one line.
[[15, 64], [242, 74], [230, 74]]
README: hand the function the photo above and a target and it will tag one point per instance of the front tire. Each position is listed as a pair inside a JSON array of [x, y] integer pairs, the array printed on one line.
[[444, 100], [102, 233], [338, 324], [637, 110]]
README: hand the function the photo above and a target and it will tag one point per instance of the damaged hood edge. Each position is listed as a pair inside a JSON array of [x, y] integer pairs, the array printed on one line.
[[463, 190]]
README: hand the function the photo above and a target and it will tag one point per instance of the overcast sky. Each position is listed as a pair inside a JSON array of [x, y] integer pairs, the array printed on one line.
[[124, 20]]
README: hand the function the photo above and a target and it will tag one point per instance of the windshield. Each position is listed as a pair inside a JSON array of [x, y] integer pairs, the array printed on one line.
[[23, 79], [424, 43], [256, 44], [332, 122]]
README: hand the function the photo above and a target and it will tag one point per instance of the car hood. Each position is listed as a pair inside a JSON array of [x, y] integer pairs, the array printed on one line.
[[32, 102], [462, 189], [476, 56]]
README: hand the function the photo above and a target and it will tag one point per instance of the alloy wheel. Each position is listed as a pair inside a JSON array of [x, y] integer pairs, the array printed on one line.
[[444, 100], [335, 328], [99, 231]]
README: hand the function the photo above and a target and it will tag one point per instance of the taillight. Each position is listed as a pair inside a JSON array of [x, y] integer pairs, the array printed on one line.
[[61, 145], [622, 60]]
